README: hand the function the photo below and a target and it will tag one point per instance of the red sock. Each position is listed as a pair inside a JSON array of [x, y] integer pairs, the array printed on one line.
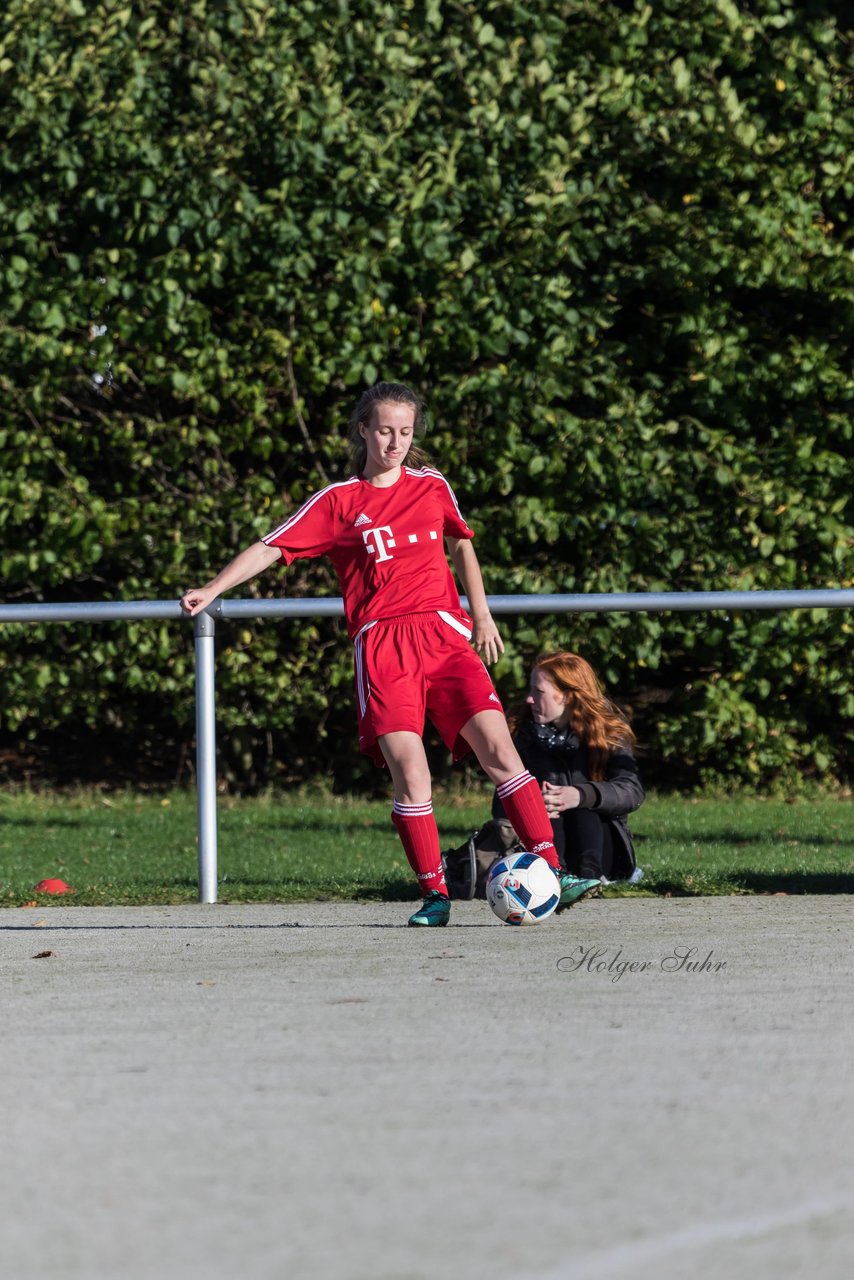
[[523, 803], [419, 836]]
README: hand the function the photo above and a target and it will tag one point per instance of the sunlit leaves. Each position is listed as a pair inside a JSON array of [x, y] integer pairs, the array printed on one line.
[[608, 242]]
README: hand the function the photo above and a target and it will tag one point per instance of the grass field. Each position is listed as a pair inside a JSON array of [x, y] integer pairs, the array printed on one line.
[[133, 849]]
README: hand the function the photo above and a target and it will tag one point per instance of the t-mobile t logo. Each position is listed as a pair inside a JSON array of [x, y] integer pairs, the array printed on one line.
[[378, 541]]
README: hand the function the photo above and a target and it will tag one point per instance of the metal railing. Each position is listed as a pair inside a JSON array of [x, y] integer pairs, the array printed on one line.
[[204, 629]]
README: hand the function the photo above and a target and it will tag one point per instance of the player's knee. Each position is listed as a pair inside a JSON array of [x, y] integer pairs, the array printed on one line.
[[499, 762]]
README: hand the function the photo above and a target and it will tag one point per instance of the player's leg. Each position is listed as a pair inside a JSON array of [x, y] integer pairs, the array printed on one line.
[[390, 701], [488, 735], [412, 815]]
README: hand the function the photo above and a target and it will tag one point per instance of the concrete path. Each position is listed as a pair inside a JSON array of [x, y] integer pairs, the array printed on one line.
[[640, 1088]]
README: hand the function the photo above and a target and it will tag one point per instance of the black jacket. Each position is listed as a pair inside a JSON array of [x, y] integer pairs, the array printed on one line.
[[559, 756]]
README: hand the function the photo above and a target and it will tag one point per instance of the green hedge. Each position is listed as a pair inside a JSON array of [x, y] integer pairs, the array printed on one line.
[[610, 244]]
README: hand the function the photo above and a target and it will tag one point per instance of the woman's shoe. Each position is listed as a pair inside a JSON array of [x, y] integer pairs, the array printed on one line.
[[573, 889], [435, 909]]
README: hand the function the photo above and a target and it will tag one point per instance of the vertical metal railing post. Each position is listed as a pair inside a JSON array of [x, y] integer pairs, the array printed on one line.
[[204, 628]]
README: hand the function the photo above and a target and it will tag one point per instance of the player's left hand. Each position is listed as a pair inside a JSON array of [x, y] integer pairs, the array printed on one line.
[[486, 640]]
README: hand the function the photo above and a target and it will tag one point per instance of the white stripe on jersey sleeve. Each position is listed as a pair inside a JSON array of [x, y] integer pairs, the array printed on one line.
[[437, 475], [306, 507]]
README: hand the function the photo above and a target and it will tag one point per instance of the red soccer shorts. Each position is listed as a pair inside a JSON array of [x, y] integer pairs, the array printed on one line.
[[417, 666]]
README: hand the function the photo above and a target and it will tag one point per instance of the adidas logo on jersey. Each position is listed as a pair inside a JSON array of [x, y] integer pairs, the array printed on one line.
[[493, 697], [362, 519]]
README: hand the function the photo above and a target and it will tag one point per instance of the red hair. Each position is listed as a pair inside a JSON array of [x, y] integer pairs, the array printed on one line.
[[599, 723]]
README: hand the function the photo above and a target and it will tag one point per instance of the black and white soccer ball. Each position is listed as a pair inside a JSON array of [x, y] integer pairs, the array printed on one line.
[[522, 889]]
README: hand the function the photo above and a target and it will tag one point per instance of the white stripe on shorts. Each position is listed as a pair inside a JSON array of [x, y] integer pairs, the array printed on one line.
[[455, 623], [363, 684]]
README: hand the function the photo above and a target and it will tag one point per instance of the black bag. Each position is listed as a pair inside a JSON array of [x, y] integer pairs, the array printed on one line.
[[467, 867]]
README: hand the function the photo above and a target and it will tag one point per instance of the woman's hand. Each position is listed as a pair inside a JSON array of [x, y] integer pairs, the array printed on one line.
[[559, 798], [197, 599], [485, 638], [246, 565]]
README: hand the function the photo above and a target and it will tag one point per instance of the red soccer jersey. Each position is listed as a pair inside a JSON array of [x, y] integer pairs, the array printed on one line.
[[387, 545]]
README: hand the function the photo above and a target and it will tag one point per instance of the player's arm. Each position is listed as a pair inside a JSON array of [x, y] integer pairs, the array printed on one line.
[[485, 637], [248, 564]]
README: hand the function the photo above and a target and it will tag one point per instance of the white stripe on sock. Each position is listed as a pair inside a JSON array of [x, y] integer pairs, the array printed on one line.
[[513, 784], [413, 810]]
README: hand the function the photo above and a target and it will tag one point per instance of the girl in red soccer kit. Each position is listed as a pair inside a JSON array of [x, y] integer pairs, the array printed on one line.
[[385, 529]]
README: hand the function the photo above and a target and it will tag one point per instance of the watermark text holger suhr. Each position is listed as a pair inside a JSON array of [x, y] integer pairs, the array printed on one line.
[[613, 963]]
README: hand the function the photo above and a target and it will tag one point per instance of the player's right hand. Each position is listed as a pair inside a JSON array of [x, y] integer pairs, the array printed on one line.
[[197, 599]]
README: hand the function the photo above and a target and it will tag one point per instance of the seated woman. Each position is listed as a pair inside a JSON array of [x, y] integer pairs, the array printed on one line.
[[580, 748]]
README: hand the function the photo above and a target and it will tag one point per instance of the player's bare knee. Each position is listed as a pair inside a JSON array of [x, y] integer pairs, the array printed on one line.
[[498, 763]]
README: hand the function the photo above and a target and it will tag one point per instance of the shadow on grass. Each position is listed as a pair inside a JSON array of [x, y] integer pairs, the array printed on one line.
[[795, 882], [229, 887], [46, 822], [235, 822], [752, 884], [738, 839], [231, 825], [378, 891], [399, 890]]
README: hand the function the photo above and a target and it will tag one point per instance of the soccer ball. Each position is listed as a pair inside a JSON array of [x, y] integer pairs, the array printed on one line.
[[522, 889]]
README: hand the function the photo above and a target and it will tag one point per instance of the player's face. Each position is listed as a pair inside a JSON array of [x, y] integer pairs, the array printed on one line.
[[546, 701], [388, 437]]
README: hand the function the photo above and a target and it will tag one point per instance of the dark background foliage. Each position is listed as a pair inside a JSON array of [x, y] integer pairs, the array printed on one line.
[[609, 242]]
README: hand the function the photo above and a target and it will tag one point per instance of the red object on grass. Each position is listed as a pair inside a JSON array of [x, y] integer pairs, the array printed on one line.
[[52, 886]]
